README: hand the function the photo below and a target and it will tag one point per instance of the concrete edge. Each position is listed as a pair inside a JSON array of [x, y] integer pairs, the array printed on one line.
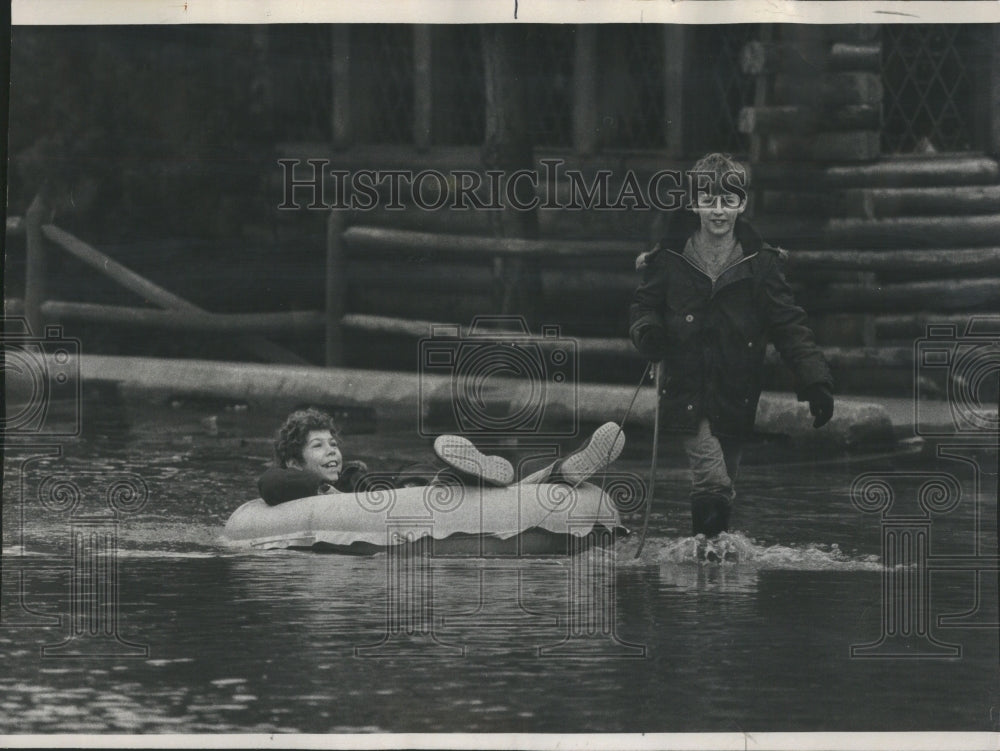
[[395, 395]]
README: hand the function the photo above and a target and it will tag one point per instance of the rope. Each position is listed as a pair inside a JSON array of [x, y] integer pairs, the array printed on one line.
[[621, 429], [652, 463], [621, 423]]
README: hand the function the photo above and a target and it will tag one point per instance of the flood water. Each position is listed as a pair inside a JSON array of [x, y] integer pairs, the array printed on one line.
[[212, 638]]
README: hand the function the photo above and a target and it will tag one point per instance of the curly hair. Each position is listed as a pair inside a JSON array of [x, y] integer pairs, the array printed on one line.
[[291, 437]]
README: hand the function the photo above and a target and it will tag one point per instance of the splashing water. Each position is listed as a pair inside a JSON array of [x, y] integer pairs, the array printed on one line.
[[737, 549]]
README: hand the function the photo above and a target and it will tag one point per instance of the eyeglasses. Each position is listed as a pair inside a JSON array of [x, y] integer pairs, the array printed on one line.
[[710, 201]]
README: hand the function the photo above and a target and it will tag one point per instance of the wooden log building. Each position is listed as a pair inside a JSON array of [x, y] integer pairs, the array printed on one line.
[[872, 151]]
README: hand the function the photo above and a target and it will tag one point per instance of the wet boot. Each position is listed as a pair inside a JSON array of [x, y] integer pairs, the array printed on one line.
[[710, 514]]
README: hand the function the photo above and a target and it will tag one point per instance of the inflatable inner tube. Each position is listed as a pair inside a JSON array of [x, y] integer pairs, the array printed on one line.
[[544, 519]]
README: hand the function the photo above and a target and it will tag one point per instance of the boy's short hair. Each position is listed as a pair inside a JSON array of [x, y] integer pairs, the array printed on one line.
[[291, 436], [720, 173]]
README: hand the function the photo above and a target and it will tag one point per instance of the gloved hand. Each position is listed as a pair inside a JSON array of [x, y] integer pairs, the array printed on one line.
[[352, 476], [820, 400], [643, 260], [652, 343]]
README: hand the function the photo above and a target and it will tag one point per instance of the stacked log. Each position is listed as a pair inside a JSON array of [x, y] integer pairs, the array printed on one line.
[[758, 58], [892, 244], [826, 97]]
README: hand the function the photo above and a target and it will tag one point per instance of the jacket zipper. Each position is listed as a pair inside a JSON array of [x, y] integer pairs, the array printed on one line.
[[721, 273]]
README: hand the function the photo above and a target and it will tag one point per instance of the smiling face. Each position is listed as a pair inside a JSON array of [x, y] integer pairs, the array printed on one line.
[[718, 213], [321, 455]]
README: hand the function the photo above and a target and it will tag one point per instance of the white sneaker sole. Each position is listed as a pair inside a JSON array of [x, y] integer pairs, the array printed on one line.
[[604, 447], [461, 454]]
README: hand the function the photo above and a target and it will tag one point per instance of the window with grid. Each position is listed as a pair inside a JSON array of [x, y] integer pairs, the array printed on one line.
[[928, 97]]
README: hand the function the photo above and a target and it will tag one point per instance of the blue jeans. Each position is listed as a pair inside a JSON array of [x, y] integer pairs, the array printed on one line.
[[715, 464]]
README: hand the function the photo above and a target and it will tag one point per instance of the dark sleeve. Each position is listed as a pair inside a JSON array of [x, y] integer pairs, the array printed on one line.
[[278, 485], [644, 312], [791, 335]]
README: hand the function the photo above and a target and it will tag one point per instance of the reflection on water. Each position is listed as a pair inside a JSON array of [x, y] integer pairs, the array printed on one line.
[[287, 641]]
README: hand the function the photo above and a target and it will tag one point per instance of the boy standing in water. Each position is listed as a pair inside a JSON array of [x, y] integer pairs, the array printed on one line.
[[712, 295]]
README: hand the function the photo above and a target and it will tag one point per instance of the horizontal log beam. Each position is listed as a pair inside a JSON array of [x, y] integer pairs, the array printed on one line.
[[176, 320], [797, 119], [386, 325], [887, 326], [914, 325], [950, 261], [860, 357], [878, 203], [776, 118], [847, 145], [566, 224], [865, 56], [362, 241], [442, 221], [833, 90], [564, 288], [887, 172], [759, 58], [922, 231], [857, 424], [615, 347], [366, 243], [912, 172], [951, 295]]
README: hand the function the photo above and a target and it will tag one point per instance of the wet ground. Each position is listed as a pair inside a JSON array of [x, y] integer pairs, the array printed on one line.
[[202, 637]]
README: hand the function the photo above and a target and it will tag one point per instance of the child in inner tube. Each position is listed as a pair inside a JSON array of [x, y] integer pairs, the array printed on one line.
[[309, 461]]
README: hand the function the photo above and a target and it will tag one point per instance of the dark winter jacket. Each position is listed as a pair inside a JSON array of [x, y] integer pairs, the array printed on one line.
[[280, 485], [711, 337]]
